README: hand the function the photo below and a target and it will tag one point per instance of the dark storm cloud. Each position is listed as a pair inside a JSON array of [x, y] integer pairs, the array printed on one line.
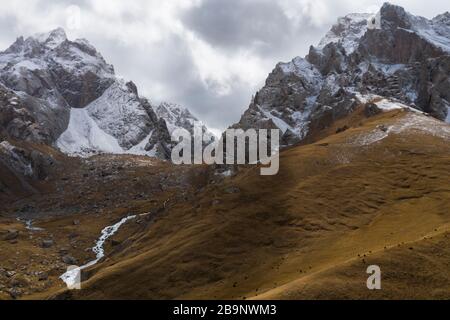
[[235, 24]]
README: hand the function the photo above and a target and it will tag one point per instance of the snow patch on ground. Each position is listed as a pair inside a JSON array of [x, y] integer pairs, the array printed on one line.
[[448, 115], [370, 138], [84, 137], [389, 105], [424, 124], [412, 122], [365, 98], [383, 103]]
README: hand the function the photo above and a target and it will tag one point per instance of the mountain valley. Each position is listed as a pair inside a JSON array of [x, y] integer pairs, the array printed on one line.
[[364, 175]]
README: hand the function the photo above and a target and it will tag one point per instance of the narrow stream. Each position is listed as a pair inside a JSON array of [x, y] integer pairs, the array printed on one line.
[[70, 277]]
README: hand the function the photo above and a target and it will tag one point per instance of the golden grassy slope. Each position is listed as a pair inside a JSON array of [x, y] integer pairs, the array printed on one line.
[[414, 270], [309, 232]]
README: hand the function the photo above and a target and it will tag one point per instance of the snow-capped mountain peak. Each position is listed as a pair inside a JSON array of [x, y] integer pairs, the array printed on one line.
[[393, 55], [393, 16], [435, 31], [51, 39], [178, 117], [175, 116], [443, 18], [67, 95], [53, 50], [348, 31]]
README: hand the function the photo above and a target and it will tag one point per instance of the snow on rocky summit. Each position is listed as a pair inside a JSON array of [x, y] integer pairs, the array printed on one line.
[[63, 93], [393, 55]]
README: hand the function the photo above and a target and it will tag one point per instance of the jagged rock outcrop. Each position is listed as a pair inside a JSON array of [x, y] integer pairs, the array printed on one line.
[[118, 122], [177, 117], [160, 141], [392, 54], [45, 62], [28, 163], [19, 121], [51, 74]]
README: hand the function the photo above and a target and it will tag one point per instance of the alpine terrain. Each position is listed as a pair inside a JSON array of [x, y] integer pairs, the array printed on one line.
[[393, 57], [64, 94], [85, 176]]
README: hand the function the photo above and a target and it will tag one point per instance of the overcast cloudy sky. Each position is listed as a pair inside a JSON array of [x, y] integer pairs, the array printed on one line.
[[208, 55]]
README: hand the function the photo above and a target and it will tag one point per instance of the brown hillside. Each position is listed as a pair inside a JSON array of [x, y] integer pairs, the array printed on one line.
[[336, 206]]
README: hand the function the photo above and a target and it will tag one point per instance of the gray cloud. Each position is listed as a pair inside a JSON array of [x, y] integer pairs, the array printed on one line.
[[236, 24], [8, 25]]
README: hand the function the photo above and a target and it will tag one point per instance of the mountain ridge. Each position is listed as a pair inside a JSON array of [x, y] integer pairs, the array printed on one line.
[[363, 180], [53, 77], [405, 59]]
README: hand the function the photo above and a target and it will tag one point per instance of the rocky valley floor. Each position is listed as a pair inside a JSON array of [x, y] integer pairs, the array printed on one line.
[[364, 191]]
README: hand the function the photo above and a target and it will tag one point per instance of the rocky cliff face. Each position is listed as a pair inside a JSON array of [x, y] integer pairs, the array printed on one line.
[[50, 74], [118, 122], [177, 117], [63, 93], [26, 162], [364, 57]]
